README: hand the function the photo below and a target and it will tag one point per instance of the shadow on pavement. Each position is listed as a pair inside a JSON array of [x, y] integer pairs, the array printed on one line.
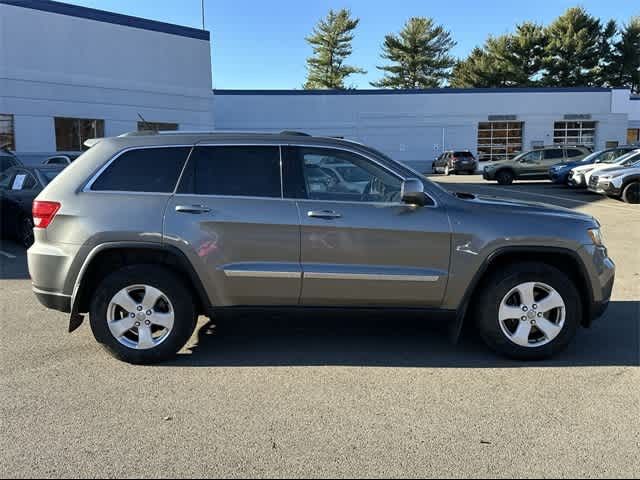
[[337, 340], [13, 261]]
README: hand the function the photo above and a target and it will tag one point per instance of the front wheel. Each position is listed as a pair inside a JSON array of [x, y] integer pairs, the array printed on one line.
[[142, 314], [528, 311], [631, 193], [504, 177]]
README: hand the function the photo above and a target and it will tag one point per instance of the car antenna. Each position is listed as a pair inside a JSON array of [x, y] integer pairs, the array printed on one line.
[[147, 126]]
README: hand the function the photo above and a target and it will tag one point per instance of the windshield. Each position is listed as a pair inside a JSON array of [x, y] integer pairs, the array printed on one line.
[[50, 174], [619, 158], [629, 159]]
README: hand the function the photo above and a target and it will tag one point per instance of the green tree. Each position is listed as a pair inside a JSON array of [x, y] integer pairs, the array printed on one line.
[[419, 55], [572, 53], [511, 60], [621, 62], [331, 42]]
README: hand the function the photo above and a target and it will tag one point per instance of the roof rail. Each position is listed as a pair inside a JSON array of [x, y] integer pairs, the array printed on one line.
[[294, 133]]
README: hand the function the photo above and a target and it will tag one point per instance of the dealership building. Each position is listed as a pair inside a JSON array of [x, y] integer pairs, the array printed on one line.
[[68, 73]]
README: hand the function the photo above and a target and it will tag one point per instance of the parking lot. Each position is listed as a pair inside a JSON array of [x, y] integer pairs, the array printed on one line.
[[331, 397]]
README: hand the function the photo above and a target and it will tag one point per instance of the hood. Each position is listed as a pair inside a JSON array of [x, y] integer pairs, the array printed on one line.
[[619, 169], [520, 207]]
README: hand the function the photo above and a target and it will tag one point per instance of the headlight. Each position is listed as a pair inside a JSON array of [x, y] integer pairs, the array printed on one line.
[[596, 237]]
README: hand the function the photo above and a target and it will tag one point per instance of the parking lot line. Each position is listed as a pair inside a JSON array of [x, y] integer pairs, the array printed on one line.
[[556, 197], [8, 255]]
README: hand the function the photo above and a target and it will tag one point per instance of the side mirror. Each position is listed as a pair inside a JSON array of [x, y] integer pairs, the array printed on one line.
[[412, 192]]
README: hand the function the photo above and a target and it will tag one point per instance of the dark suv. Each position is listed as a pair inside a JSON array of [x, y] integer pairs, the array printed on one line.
[[146, 232], [455, 161]]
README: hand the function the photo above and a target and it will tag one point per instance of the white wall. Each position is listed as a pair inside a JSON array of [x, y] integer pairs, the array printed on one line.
[[408, 126], [59, 65]]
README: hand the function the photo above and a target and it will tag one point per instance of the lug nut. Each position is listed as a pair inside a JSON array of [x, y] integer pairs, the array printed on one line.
[[139, 308], [132, 315], [149, 312], [539, 314], [535, 307], [525, 309], [147, 323], [524, 319], [137, 324]]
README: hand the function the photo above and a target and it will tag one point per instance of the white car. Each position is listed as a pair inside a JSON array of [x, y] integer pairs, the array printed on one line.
[[579, 176], [623, 182]]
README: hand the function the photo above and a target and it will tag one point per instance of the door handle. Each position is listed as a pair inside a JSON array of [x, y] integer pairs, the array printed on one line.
[[193, 209], [325, 214]]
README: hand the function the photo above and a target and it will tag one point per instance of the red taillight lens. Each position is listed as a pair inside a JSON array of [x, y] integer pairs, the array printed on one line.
[[43, 213]]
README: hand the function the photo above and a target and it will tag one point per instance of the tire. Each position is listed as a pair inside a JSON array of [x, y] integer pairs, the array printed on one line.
[[631, 193], [25, 231], [142, 279], [502, 336], [505, 177]]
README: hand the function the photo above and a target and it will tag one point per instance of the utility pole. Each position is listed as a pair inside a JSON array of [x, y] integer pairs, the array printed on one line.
[[203, 24]]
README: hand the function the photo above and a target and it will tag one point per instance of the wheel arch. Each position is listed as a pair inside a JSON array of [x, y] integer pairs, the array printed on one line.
[[107, 258], [566, 260]]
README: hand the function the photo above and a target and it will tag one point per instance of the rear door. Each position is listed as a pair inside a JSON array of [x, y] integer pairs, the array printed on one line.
[[229, 217], [365, 248]]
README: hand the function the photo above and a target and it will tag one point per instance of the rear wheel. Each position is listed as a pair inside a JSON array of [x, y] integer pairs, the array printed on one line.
[[505, 177], [631, 193], [142, 314], [528, 311]]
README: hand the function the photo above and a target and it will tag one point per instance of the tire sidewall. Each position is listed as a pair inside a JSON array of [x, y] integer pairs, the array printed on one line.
[[158, 277], [505, 177], [501, 284], [625, 192]]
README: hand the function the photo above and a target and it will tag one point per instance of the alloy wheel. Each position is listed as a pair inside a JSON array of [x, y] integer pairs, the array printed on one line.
[[140, 317], [532, 314]]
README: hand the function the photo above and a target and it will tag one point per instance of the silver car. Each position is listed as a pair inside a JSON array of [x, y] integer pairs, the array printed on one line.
[[145, 232]]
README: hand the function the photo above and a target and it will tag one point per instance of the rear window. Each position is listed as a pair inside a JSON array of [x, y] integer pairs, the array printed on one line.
[[242, 171], [463, 154], [153, 170], [574, 152]]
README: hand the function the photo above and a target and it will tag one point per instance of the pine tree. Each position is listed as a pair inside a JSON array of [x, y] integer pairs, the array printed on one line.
[[419, 56], [512, 60], [622, 60], [331, 42], [573, 48]]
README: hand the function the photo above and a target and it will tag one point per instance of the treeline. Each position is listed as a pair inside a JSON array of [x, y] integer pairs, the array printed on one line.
[[576, 49]]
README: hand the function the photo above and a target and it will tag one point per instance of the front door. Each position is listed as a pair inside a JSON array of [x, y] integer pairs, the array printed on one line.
[[229, 217], [360, 245]]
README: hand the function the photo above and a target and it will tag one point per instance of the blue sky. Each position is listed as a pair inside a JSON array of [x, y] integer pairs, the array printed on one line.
[[260, 44]]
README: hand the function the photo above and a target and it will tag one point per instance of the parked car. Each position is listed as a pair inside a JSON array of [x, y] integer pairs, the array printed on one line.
[[533, 165], [7, 159], [19, 186], [579, 176], [64, 160], [623, 182], [455, 161], [347, 176], [560, 173], [240, 228]]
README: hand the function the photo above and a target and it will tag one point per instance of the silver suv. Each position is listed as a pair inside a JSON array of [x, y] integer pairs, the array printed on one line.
[[145, 232]]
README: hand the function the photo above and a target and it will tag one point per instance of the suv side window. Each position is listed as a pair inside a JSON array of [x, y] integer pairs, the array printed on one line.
[[532, 157], [574, 152], [554, 154], [23, 181], [303, 165], [240, 171], [149, 170]]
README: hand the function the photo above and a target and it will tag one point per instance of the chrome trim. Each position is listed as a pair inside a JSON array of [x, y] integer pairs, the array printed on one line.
[[370, 277], [261, 274], [95, 176], [46, 292]]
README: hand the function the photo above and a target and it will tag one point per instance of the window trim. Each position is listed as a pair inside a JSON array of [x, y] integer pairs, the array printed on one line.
[[89, 184]]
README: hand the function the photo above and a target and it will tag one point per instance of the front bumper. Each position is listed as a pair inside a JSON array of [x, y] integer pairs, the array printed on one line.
[[605, 187], [559, 178], [488, 174], [601, 272], [577, 180]]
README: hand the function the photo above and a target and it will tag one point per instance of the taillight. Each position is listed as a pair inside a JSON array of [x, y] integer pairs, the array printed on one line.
[[43, 213]]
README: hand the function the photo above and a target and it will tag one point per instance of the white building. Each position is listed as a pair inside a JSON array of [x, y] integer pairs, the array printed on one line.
[[68, 73], [415, 126]]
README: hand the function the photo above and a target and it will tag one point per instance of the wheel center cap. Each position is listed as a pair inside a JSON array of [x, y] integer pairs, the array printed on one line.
[[141, 316], [531, 314]]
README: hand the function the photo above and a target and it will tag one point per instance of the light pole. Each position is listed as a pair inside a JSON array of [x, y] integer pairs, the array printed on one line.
[[203, 25]]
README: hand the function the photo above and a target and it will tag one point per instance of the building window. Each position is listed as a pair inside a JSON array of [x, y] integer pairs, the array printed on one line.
[[7, 134], [157, 127], [499, 140], [633, 136], [71, 133], [575, 133]]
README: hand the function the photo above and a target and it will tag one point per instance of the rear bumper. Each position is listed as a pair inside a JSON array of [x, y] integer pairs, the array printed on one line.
[[465, 168], [54, 301]]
